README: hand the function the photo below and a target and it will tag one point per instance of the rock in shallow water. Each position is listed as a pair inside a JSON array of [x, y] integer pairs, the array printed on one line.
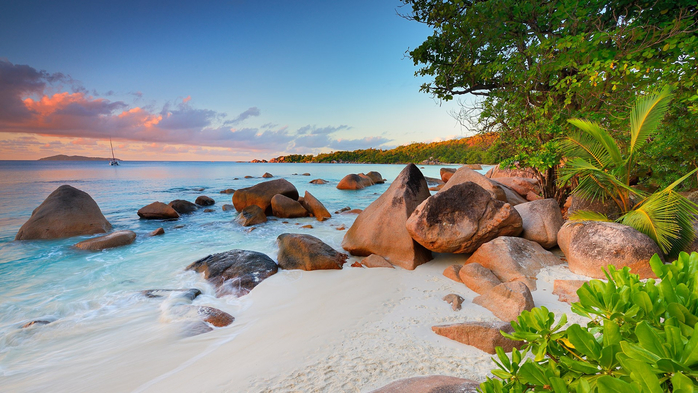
[[262, 193], [114, 239], [183, 207], [66, 212], [236, 271], [157, 211]]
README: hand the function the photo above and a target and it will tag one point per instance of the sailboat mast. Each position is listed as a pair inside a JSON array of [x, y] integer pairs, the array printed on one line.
[[112, 150]]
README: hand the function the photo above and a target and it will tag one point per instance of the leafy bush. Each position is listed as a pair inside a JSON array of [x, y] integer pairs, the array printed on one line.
[[641, 337]]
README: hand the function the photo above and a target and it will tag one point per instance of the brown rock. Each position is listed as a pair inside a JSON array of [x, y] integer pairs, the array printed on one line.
[[452, 272], [157, 232], [251, 215], [514, 259], [475, 167], [307, 226], [341, 227], [342, 210], [522, 185], [262, 193], [235, 271], [542, 221], [354, 182], [227, 207], [353, 211], [267, 175], [183, 207], [454, 300], [513, 198], [497, 172], [306, 252], [533, 197], [460, 218], [507, 300], [318, 181], [38, 322], [375, 177], [380, 228], [209, 210], [285, 207], [157, 210], [592, 245], [430, 384], [485, 336], [66, 212], [203, 200], [463, 175], [315, 207], [227, 191], [447, 173], [566, 290], [608, 208], [114, 239], [478, 278], [357, 264], [305, 174], [374, 260], [215, 316]]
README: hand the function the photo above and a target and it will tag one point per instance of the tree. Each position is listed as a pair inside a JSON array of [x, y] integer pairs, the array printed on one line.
[[534, 64]]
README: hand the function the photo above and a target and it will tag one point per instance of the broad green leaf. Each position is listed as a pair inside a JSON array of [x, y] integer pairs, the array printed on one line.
[[642, 373], [608, 384], [682, 384], [579, 366], [584, 342]]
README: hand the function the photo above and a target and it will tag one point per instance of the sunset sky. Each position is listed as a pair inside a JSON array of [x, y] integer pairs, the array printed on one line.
[[211, 80]]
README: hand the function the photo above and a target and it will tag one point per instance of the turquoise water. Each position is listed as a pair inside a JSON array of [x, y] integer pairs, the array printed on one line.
[[93, 298]]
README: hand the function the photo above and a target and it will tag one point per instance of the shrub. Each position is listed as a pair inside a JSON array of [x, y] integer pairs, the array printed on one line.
[[641, 337]]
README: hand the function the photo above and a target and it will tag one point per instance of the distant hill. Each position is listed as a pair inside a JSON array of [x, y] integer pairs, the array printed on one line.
[[63, 157], [478, 149]]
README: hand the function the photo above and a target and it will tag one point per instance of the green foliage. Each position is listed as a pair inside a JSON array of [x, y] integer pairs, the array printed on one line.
[[479, 149], [641, 337], [603, 170], [534, 64]]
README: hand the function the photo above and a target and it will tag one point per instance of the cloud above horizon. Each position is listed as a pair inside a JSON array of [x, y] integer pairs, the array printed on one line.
[[53, 104]]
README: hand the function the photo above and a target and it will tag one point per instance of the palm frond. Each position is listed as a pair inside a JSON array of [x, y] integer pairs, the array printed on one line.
[[596, 183], [666, 217], [646, 115], [593, 144], [587, 215]]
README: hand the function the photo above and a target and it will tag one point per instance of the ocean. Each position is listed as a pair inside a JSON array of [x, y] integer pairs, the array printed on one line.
[[93, 299]]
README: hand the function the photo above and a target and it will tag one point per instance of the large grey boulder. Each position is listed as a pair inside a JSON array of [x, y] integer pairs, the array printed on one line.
[[460, 218], [464, 174], [380, 228], [66, 212], [235, 271], [592, 245], [514, 259], [542, 221]]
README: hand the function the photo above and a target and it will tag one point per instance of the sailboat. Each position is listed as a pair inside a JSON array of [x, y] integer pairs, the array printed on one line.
[[113, 160]]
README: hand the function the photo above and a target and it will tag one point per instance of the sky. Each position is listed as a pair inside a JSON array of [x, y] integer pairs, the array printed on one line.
[[211, 80]]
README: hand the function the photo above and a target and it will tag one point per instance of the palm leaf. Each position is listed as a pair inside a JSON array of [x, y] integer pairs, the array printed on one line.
[[587, 215], [595, 142], [596, 183], [646, 115], [666, 217]]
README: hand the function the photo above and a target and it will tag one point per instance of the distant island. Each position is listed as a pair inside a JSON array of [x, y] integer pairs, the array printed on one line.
[[477, 149], [63, 157]]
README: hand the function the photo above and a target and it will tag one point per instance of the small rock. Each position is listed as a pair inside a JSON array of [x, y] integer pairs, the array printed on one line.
[[452, 272], [251, 215], [228, 191], [228, 207], [566, 290], [305, 174], [354, 182], [157, 232], [357, 264], [484, 336], [209, 210], [446, 174], [285, 207], [267, 175], [114, 239], [203, 200], [178, 226], [341, 227], [374, 260], [478, 278], [375, 177], [215, 316], [342, 210], [35, 323], [318, 181], [157, 210], [307, 226], [315, 207], [248, 177], [189, 294], [507, 300], [454, 300], [183, 207]]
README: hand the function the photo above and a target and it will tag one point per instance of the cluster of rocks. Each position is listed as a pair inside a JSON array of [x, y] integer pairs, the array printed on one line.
[[277, 198], [360, 181], [173, 210]]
